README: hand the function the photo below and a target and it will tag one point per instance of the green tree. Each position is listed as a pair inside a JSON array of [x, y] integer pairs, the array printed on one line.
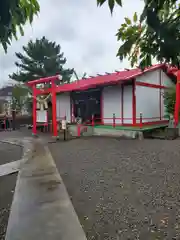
[[169, 100], [39, 59], [155, 34], [20, 97], [13, 15]]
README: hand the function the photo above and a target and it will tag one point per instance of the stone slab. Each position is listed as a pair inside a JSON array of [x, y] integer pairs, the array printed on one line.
[[41, 207]]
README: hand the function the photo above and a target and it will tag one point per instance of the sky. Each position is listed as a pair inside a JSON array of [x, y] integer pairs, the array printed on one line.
[[85, 32]]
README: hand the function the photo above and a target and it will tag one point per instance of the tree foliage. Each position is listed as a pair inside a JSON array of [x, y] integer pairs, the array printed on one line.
[[13, 15], [169, 100], [41, 58], [20, 97], [77, 77], [155, 34]]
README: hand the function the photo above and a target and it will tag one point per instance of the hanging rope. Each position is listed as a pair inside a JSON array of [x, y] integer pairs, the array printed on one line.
[[41, 101]]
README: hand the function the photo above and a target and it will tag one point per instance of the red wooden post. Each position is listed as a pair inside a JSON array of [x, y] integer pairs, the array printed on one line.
[[54, 117], [177, 104], [92, 120], [78, 130], [34, 130]]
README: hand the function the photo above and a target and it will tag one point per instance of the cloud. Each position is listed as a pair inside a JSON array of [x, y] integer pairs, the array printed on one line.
[[85, 32]]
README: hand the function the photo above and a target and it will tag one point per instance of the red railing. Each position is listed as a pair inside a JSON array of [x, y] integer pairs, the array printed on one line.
[[115, 121]]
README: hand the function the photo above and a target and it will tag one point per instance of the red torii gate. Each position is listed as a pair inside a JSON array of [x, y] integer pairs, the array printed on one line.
[[35, 92], [53, 89]]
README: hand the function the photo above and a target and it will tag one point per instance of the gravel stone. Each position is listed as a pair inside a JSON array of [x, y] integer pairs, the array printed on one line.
[[123, 189]]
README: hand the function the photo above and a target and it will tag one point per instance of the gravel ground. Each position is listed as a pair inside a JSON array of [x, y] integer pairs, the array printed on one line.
[[123, 189]]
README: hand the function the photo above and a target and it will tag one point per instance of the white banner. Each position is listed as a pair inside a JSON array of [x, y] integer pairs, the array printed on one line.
[[41, 116]]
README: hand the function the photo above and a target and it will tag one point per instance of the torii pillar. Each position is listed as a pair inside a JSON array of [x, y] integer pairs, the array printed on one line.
[[177, 103]]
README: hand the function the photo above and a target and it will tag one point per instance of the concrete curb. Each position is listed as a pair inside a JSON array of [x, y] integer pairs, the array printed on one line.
[[41, 207]]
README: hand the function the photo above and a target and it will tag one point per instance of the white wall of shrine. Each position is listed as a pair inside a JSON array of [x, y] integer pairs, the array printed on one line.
[[63, 106], [112, 104]]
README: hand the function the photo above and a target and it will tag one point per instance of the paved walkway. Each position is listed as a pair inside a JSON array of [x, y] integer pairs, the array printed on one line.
[[41, 208]]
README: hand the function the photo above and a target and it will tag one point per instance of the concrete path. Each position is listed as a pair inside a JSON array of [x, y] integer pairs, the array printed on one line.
[[41, 208]]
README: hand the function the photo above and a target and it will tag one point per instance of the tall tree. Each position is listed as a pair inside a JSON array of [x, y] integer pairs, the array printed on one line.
[[14, 14], [155, 34], [41, 58]]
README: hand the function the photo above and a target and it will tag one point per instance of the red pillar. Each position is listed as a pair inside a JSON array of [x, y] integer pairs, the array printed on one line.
[[34, 131], [54, 117], [177, 103]]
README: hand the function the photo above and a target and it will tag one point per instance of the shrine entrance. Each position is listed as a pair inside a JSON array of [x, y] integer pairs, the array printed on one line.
[[42, 89], [86, 104]]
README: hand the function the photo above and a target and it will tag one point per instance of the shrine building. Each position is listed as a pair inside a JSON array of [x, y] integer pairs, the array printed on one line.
[[126, 97]]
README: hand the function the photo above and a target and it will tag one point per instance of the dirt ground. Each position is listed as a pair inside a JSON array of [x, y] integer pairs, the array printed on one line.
[[8, 153], [123, 189]]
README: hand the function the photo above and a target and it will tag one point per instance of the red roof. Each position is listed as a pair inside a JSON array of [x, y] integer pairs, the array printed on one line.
[[108, 79]]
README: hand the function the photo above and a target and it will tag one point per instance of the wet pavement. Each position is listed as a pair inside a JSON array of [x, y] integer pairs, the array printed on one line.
[[123, 189], [7, 186], [8, 154]]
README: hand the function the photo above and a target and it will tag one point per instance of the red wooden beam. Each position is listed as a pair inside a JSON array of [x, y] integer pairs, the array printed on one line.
[[143, 84], [43, 80]]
